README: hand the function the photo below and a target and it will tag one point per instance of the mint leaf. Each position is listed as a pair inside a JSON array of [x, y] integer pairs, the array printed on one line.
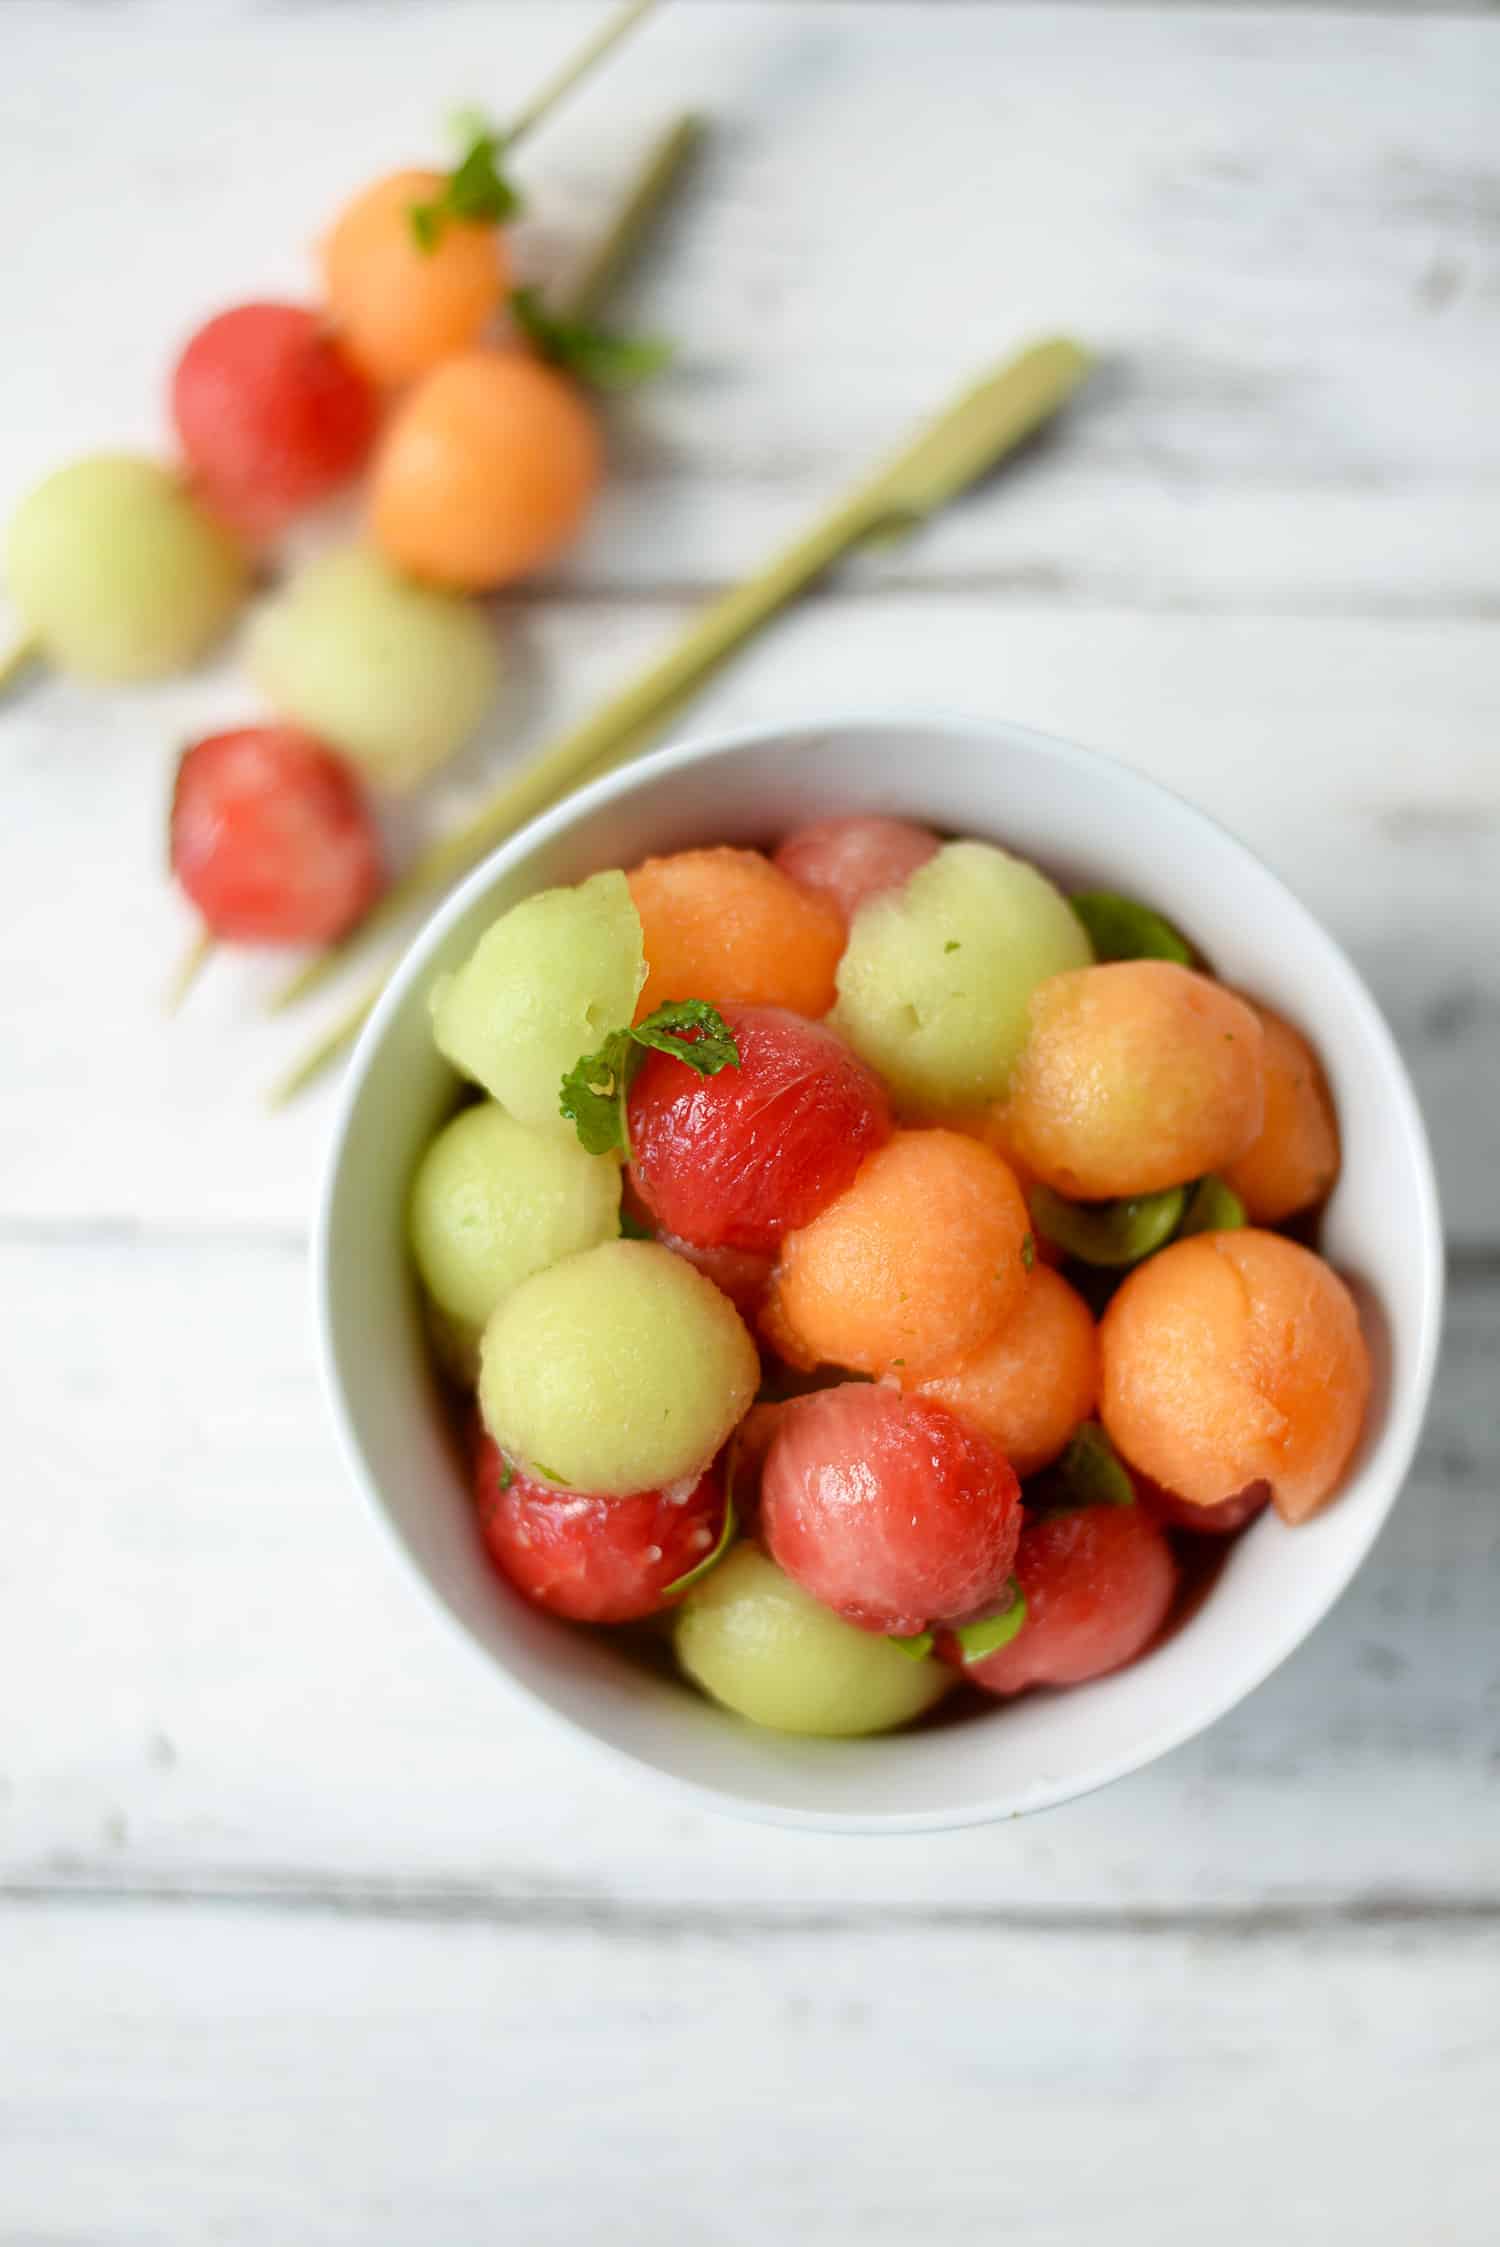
[[475, 193], [691, 1031], [593, 1095], [595, 356]]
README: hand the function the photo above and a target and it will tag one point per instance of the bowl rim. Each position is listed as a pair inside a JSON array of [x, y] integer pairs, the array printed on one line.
[[1398, 1440]]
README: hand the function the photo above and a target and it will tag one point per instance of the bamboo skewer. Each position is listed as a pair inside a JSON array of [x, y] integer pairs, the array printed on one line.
[[987, 422], [576, 69]]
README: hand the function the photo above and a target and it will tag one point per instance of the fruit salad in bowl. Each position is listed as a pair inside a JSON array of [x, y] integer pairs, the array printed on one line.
[[887, 1271]]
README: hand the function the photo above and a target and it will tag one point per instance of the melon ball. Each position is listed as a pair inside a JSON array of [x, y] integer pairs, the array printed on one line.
[[850, 860], [1293, 1162], [1135, 1077], [116, 570], [921, 1261], [761, 1646], [1029, 1388], [728, 926], [494, 1201], [1098, 1582], [395, 675], [934, 981], [544, 986], [1231, 1359], [618, 1370]]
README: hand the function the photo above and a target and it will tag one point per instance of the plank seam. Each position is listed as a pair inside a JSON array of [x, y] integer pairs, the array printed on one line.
[[304, 1896]]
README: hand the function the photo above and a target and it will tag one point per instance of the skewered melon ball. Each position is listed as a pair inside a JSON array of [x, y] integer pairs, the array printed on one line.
[[1135, 1076], [493, 1202], [271, 414], [761, 1646], [545, 985], [485, 472], [728, 926], [1231, 1359], [618, 1370], [1293, 1162], [117, 572], [400, 305], [921, 1261], [395, 675], [934, 982]]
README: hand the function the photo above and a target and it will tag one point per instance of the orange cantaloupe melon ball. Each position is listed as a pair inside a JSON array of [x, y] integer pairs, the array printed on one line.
[[1134, 1077], [1293, 1162], [1029, 1388], [401, 308], [1231, 1359], [486, 471], [919, 1263], [728, 926]]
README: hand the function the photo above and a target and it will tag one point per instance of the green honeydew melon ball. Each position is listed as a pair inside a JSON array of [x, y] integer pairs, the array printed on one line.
[[118, 573], [396, 675], [544, 986], [935, 979], [491, 1203], [617, 1370], [760, 1645]]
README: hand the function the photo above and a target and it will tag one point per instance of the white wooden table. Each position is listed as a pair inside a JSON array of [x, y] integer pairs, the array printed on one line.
[[306, 1934]]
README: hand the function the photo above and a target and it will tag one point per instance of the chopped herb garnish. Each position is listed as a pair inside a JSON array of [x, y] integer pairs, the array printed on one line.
[[593, 355], [952, 945], [592, 1096], [991, 1632], [712, 1559], [475, 193], [507, 1472], [1119, 928]]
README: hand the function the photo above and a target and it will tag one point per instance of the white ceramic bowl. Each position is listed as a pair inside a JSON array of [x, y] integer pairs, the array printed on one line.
[[1091, 823]]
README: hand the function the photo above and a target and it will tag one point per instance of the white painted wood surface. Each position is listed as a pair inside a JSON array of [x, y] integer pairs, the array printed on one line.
[[305, 1931]]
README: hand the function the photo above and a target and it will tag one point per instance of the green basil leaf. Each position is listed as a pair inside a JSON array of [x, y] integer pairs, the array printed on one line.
[[991, 1632], [685, 1583], [1089, 1473], [1120, 929], [1212, 1207], [1112, 1234]]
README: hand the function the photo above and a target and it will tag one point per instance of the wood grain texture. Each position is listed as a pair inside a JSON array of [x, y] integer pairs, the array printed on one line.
[[307, 1930], [399, 2095]]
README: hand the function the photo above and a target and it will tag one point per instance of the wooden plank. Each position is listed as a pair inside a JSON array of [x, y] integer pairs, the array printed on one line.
[[1356, 755], [179, 2076], [1276, 224], [227, 1685]]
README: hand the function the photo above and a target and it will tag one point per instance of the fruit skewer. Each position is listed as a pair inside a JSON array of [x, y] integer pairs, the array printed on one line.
[[987, 422]]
